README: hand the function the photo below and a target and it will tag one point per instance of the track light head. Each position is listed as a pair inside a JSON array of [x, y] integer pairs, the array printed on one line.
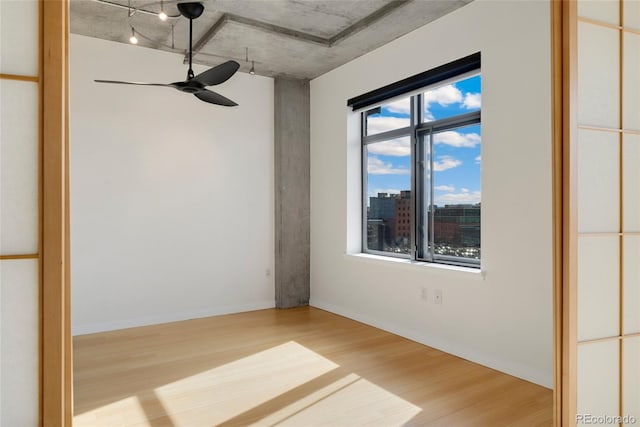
[[162, 15], [133, 39]]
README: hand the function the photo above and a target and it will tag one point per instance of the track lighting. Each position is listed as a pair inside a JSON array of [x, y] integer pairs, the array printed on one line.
[[162, 15], [252, 71], [133, 39]]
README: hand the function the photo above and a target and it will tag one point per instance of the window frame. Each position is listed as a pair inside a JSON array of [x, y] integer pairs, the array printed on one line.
[[366, 140], [418, 132], [422, 131]]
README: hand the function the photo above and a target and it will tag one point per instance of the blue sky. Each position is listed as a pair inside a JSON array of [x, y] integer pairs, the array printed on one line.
[[457, 158]]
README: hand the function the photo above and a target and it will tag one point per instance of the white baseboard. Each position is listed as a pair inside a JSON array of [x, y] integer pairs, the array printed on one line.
[[536, 376], [92, 328]]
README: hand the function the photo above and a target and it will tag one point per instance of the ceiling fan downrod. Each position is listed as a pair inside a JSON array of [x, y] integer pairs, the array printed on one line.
[[190, 74], [191, 11]]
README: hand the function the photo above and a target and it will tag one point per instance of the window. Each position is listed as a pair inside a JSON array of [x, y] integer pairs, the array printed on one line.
[[421, 167]]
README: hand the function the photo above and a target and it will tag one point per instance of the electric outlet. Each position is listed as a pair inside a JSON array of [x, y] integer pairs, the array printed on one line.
[[267, 272], [437, 296], [423, 293]]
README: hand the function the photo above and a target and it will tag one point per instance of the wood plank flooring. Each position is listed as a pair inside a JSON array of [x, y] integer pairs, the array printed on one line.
[[300, 367]]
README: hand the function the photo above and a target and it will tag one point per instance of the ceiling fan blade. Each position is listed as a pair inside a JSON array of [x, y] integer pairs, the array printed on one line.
[[132, 83], [214, 98], [218, 74]]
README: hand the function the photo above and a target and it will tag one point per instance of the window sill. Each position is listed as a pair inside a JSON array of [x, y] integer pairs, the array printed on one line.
[[469, 272]]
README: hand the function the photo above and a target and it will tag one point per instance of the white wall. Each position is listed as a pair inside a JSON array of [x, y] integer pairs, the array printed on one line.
[[171, 197], [501, 318]]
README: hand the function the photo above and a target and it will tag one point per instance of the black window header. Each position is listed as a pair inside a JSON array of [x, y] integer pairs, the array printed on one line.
[[438, 74]]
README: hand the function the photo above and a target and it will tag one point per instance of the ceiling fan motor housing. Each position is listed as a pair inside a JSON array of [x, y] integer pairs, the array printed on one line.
[[189, 86]]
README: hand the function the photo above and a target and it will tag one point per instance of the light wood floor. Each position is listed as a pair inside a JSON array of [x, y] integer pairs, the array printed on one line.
[[300, 367]]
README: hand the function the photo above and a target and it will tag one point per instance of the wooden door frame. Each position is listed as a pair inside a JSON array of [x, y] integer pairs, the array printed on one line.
[[56, 408], [55, 341], [565, 233]]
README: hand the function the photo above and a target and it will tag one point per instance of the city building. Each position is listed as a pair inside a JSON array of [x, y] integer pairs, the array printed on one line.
[[458, 225], [402, 221], [388, 221]]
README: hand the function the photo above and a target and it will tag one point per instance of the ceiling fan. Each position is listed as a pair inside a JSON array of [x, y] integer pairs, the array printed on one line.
[[196, 84]]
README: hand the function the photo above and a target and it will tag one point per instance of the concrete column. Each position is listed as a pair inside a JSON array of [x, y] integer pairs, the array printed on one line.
[[292, 257]]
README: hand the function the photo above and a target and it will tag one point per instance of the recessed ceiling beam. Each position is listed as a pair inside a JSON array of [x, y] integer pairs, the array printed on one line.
[[298, 35], [367, 20], [275, 29], [211, 32], [271, 28]]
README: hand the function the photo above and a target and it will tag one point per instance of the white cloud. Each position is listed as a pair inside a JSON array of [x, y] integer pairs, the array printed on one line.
[[466, 198], [445, 162], [447, 95], [375, 166], [457, 139], [428, 115], [383, 124], [445, 188], [385, 190], [464, 190], [395, 147], [401, 106], [472, 100], [444, 95], [478, 160]]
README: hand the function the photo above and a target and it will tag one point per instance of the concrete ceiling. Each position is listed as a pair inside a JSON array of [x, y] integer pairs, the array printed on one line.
[[292, 38]]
